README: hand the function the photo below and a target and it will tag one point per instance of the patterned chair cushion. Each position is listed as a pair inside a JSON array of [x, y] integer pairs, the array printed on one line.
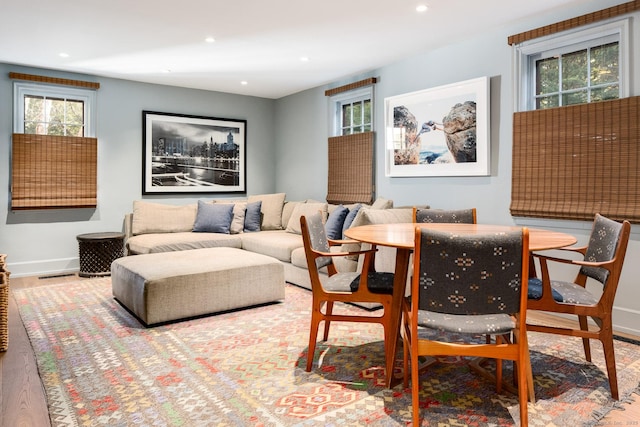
[[492, 324]]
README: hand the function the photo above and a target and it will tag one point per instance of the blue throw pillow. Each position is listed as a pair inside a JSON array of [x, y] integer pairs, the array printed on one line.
[[252, 216], [334, 224], [535, 290], [213, 217], [350, 217]]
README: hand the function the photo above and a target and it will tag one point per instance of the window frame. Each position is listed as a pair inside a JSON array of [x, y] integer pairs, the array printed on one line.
[[349, 97], [87, 96], [526, 53]]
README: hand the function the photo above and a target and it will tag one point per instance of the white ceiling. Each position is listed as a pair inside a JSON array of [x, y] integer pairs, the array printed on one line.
[[257, 41]]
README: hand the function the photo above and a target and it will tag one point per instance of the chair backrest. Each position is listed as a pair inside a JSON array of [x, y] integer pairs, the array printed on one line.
[[608, 240], [314, 234], [482, 273], [461, 216]]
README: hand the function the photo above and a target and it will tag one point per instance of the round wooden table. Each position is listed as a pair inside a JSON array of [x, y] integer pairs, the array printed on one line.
[[402, 235]]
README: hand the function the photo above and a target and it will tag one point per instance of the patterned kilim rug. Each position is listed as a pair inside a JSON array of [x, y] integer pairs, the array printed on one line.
[[100, 367]]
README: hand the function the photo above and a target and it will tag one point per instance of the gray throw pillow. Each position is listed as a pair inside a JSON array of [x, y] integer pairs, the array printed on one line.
[[213, 218], [252, 216], [350, 217], [334, 224]]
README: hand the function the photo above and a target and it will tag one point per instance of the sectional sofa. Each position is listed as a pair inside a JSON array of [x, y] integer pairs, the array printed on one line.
[[266, 224]]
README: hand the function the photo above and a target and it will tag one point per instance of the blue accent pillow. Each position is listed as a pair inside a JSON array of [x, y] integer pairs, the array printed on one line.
[[252, 216], [350, 217], [334, 224], [213, 217], [535, 290]]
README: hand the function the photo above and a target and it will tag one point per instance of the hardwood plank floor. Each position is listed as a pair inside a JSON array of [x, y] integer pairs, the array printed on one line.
[[22, 394]]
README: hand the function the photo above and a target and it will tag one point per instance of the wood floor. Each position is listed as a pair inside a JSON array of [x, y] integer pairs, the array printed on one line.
[[22, 395]]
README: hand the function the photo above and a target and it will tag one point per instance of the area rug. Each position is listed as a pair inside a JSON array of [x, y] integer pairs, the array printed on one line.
[[100, 367]]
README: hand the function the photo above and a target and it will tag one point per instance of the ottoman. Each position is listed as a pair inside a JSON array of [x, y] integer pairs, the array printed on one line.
[[168, 286]]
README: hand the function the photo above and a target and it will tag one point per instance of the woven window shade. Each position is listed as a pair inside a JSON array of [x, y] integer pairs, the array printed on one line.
[[571, 162], [351, 168], [579, 21], [51, 171]]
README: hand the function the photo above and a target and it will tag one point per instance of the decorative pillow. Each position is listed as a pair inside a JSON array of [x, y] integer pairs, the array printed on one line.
[[287, 210], [350, 217], [213, 217], [252, 216], [333, 226], [382, 203], [237, 223], [272, 205], [293, 226], [161, 218]]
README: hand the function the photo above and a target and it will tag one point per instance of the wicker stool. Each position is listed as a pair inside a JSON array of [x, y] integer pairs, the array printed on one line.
[[4, 304], [98, 251]]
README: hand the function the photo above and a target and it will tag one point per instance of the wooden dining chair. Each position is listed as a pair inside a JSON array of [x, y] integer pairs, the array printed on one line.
[[468, 285], [602, 262], [461, 216], [348, 287]]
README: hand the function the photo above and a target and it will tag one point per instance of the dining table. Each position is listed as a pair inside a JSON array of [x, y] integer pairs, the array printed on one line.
[[402, 237]]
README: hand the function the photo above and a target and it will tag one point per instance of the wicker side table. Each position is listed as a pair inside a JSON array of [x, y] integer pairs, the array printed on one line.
[[4, 304], [98, 251]]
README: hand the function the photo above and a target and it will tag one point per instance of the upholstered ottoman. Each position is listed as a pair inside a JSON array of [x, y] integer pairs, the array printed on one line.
[[169, 286]]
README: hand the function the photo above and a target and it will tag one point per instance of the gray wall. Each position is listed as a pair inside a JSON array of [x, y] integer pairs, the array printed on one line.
[[44, 242], [305, 117]]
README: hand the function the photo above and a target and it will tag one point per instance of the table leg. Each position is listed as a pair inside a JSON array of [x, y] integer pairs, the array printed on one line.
[[399, 286]]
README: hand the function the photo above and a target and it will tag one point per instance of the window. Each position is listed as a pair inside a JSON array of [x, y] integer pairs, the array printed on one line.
[[53, 148], [350, 145], [575, 133], [53, 110], [352, 112], [577, 67]]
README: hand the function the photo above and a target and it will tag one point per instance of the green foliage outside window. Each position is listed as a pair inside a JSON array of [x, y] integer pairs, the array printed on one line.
[[356, 117], [53, 116], [587, 75]]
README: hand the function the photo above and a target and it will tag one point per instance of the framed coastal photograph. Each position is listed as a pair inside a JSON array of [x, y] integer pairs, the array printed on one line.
[[192, 154], [441, 131]]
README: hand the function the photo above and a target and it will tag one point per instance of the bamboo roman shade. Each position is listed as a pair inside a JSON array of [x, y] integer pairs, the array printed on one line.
[[51, 171], [351, 168], [571, 162]]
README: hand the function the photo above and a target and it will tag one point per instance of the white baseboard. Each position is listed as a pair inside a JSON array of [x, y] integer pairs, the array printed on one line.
[[626, 321], [49, 267]]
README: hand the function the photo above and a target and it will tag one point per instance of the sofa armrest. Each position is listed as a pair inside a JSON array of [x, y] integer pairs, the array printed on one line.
[[127, 226]]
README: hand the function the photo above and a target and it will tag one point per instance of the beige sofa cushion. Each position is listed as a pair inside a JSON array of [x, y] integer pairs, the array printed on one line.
[[182, 241], [306, 209], [271, 209], [162, 218], [275, 243]]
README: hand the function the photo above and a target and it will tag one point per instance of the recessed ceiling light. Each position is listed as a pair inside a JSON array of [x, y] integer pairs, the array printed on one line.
[[63, 55], [304, 59], [166, 70], [210, 40], [422, 8], [244, 83]]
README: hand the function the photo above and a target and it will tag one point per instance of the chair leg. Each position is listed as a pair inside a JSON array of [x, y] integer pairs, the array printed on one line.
[[585, 341], [523, 396], [327, 322], [405, 354], [610, 359], [415, 384], [498, 367], [316, 317]]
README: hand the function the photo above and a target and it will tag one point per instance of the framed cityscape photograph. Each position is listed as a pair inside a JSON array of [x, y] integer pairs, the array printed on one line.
[[192, 154], [441, 131]]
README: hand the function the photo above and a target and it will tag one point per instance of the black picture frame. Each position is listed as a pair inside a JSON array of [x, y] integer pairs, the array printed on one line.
[[184, 154]]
